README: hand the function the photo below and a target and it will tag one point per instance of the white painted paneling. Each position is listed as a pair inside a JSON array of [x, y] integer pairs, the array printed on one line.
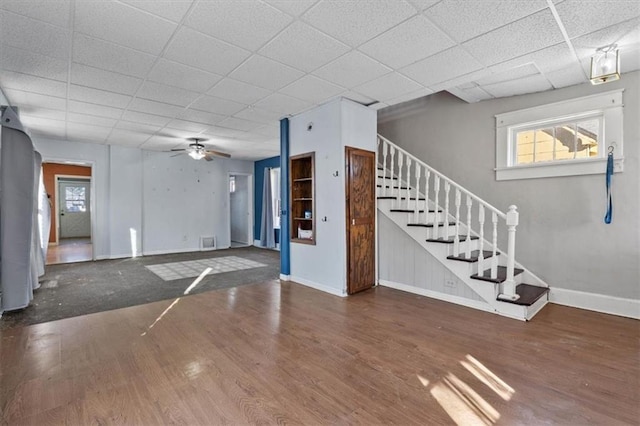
[[402, 260], [125, 192], [336, 124]]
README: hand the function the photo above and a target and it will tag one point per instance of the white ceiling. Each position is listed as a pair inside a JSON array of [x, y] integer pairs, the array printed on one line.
[[150, 74]]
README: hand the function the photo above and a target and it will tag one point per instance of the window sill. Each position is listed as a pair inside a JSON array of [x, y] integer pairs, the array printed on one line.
[[573, 168]]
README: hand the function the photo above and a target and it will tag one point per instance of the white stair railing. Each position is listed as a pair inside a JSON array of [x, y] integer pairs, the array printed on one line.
[[398, 159]]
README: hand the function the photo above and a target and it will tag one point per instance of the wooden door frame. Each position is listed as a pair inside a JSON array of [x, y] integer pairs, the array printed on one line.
[[349, 149], [56, 179], [250, 195]]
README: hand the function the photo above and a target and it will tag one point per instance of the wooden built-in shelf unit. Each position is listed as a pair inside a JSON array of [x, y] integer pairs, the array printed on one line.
[[303, 208]]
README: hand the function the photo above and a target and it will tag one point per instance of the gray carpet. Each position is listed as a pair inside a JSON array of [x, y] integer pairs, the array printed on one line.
[[70, 290]]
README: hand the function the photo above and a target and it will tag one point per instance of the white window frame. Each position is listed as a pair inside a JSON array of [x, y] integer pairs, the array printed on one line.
[[607, 105]]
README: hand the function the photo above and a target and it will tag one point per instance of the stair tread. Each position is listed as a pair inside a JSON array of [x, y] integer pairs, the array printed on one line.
[[411, 211], [529, 294], [450, 239], [388, 177], [392, 187], [389, 197], [429, 225], [500, 277], [473, 256]]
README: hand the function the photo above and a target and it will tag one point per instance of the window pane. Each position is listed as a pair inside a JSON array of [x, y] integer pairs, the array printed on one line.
[[524, 147], [587, 142], [74, 193], [544, 145], [565, 142], [76, 206]]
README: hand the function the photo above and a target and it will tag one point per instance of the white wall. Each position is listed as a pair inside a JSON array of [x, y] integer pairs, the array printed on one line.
[[561, 236], [239, 208], [336, 124], [169, 201]]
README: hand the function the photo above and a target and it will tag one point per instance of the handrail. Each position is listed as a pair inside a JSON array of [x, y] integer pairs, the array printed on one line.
[[458, 186]]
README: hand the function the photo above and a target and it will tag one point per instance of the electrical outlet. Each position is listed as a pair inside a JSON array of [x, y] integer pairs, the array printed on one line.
[[450, 284]]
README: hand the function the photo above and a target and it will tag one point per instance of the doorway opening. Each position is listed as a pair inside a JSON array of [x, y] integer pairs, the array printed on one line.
[[240, 209], [69, 189]]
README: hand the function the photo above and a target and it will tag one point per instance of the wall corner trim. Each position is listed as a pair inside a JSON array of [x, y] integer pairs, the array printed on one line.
[[629, 308]]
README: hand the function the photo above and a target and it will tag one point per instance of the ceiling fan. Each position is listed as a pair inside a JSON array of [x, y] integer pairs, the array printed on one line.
[[198, 151]]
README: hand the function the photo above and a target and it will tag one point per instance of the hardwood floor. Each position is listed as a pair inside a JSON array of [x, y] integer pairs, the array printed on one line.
[[283, 353], [70, 250]]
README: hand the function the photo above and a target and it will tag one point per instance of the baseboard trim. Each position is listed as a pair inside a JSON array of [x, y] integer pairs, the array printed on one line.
[[284, 277], [256, 243], [182, 250], [317, 286], [629, 308], [475, 304]]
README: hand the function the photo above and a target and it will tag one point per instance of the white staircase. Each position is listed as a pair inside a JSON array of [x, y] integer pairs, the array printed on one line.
[[459, 229]]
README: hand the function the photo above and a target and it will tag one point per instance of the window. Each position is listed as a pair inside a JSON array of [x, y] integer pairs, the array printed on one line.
[[232, 184], [275, 194], [562, 139], [75, 199]]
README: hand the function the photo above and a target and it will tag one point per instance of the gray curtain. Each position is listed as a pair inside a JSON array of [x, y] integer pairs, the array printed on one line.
[[44, 215], [19, 274], [267, 235]]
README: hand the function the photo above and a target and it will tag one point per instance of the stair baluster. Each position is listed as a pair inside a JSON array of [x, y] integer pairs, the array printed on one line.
[[416, 206], [399, 192], [467, 251], [481, 241], [447, 188], [408, 179], [388, 193], [385, 148], [435, 233], [494, 243], [456, 237], [427, 175]]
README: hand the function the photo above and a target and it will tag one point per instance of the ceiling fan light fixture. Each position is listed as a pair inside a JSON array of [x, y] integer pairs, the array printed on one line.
[[197, 154]]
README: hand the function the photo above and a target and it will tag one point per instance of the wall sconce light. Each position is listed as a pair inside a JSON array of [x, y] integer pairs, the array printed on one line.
[[605, 65]]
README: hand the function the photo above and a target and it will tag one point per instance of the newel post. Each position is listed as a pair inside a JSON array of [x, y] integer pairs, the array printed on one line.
[[509, 285]]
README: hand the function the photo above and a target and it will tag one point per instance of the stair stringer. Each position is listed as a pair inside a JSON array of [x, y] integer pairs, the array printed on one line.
[[463, 271]]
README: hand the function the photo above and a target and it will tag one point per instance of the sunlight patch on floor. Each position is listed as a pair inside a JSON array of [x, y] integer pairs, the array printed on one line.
[[193, 268]]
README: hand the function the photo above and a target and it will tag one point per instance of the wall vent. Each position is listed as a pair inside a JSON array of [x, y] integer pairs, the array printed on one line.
[[208, 243]]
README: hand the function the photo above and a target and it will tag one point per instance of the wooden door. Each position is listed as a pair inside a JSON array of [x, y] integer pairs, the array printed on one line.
[[361, 225]]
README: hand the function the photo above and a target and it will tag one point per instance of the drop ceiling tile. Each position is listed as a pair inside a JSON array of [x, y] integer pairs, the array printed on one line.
[[41, 124], [137, 127], [111, 57], [189, 126], [265, 73], [201, 116], [357, 97], [509, 74], [354, 22], [582, 17], [462, 79], [292, 47], [167, 94], [100, 97], [407, 43], [43, 86], [348, 70], [423, 4], [74, 117], [388, 87], [37, 111], [188, 46], [105, 80], [124, 25], [624, 33], [141, 117], [160, 143], [271, 130], [471, 94], [239, 124], [311, 89], [182, 76], [156, 108], [58, 133], [292, 7], [531, 84], [259, 115], [527, 35], [127, 138], [248, 24], [631, 61], [35, 36], [19, 98], [217, 105], [282, 104], [410, 96], [214, 132], [18, 60], [566, 76], [87, 131], [463, 20], [93, 109], [442, 66], [549, 58], [171, 10], [238, 91], [53, 12]]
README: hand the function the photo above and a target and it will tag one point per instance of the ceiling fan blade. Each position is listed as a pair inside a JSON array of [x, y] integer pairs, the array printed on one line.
[[208, 158], [217, 153], [177, 149]]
